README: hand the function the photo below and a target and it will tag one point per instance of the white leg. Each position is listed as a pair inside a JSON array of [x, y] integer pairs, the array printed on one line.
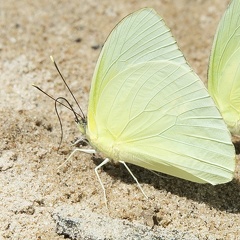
[[96, 169], [77, 150], [81, 139], [134, 178], [99, 179]]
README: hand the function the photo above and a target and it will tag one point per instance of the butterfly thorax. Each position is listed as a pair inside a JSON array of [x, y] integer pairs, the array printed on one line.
[[104, 144]]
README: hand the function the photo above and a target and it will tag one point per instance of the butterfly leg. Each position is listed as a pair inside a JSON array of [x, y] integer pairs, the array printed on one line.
[[134, 178], [76, 150], [99, 179], [80, 140]]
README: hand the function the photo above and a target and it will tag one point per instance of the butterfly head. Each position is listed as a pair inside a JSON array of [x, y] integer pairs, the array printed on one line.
[[82, 123]]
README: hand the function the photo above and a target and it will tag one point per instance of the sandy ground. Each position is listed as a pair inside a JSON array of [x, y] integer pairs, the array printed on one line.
[[34, 192]]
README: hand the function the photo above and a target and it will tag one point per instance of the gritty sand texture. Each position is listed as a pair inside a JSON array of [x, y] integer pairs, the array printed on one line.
[[38, 200]]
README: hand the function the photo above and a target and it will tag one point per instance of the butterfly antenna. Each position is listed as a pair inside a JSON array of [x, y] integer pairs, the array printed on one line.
[[56, 100], [55, 64], [59, 119]]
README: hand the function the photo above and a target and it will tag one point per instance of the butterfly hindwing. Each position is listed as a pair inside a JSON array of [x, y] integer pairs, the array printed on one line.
[[148, 107]]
